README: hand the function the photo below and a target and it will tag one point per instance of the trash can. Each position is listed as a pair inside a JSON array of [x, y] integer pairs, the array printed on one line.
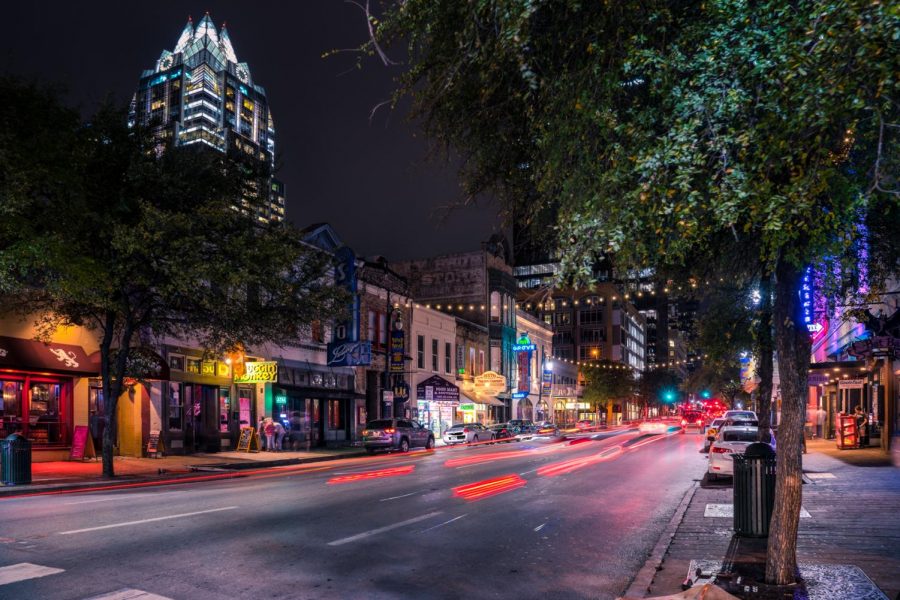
[[754, 490], [15, 460]]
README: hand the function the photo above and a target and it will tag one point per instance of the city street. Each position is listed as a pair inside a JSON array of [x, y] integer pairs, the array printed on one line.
[[572, 519]]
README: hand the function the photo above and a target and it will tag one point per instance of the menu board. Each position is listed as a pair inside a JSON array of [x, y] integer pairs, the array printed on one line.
[[153, 444], [246, 439], [82, 444]]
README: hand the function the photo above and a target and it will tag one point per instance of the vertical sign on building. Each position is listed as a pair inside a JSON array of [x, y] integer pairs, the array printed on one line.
[[809, 305], [345, 348], [523, 349], [398, 344]]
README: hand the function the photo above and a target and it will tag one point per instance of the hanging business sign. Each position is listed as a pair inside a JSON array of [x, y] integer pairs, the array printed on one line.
[[398, 350], [524, 349], [547, 381], [401, 391], [437, 389], [350, 354], [524, 345], [851, 384], [490, 381], [519, 395], [258, 372]]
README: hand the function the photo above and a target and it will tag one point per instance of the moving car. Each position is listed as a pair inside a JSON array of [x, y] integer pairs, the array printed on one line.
[[467, 433], [585, 424], [503, 432], [692, 418], [396, 434], [731, 439]]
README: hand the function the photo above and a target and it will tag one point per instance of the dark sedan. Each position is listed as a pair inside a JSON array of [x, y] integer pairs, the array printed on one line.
[[502, 432]]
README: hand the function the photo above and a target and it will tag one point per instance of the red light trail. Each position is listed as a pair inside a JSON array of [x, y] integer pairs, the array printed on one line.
[[489, 487], [382, 473]]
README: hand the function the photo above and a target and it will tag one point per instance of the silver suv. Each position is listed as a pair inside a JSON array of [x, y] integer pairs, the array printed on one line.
[[396, 434]]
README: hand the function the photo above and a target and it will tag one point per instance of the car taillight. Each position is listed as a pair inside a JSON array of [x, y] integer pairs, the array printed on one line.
[[718, 450], [684, 421], [465, 430], [389, 430], [699, 421]]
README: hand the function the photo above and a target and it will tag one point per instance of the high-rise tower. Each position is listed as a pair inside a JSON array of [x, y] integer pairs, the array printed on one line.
[[198, 93]]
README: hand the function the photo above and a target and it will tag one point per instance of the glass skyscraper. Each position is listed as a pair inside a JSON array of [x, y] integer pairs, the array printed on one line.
[[199, 93]]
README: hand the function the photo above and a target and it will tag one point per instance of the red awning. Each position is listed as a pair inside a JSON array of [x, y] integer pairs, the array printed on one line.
[[29, 355]]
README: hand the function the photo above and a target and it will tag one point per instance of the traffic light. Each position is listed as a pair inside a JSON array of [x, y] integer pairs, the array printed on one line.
[[705, 394], [669, 396]]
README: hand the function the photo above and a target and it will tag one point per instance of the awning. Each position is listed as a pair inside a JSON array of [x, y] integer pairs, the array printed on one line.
[[30, 355], [479, 399]]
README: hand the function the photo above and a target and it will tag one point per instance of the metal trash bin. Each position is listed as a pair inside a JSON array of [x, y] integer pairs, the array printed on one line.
[[15, 460], [754, 490]]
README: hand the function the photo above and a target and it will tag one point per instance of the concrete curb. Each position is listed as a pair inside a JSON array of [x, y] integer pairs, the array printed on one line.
[[640, 585], [216, 471]]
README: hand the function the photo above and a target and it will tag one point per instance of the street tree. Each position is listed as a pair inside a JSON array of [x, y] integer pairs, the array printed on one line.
[[606, 382], [102, 232], [652, 129], [653, 385]]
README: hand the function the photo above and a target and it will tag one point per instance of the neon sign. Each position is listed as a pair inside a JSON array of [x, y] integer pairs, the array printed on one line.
[[808, 302]]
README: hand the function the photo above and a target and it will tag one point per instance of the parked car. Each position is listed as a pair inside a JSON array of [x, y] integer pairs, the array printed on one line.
[[731, 439], [710, 433], [467, 433], [503, 432], [396, 434], [521, 425], [740, 415]]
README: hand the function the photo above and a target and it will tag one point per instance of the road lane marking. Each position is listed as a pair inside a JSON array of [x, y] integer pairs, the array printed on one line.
[[539, 527], [119, 497], [398, 497], [23, 571], [129, 594], [444, 523], [370, 533], [153, 520]]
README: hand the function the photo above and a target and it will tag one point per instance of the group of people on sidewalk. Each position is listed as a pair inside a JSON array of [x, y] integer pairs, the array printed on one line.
[[271, 434]]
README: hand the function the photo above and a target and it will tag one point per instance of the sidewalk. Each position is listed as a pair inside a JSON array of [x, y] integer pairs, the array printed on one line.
[[851, 499], [58, 476]]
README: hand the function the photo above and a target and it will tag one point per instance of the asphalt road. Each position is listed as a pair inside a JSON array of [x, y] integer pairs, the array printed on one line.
[[574, 519]]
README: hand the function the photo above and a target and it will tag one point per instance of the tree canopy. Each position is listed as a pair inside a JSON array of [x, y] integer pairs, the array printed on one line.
[[101, 231], [650, 130]]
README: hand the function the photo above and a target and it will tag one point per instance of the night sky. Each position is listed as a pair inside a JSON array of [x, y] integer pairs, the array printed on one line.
[[372, 181]]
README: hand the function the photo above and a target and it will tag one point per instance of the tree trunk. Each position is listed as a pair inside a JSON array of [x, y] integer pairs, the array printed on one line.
[[764, 351], [793, 345], [112, 376]]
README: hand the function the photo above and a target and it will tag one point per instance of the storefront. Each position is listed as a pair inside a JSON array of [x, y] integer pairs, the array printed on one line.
[[203, 410], [317, 406], [38, 385], [438, 404]]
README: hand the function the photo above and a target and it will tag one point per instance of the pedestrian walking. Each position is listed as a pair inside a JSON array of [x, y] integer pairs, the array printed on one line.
[[279, 435], [261, 432], [269, 428], [862, 427]]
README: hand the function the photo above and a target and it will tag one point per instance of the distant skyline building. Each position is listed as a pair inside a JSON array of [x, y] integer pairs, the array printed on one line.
[[199, 93]]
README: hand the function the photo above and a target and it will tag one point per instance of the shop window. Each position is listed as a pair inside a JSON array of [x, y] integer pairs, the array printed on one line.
[[95, 401], [420, 351], [176, 362], [176, 407], [335, 417], [434, 355], [10, 406], [193, 365], [224, 408], [495, 307], [45, 425], [447, 353]]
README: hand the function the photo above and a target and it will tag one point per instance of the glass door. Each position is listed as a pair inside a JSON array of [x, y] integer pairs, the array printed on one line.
[[10, 407]]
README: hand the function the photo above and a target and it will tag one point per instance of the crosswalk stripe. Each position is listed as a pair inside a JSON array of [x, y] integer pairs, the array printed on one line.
[[23, 571], [128, 594]]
